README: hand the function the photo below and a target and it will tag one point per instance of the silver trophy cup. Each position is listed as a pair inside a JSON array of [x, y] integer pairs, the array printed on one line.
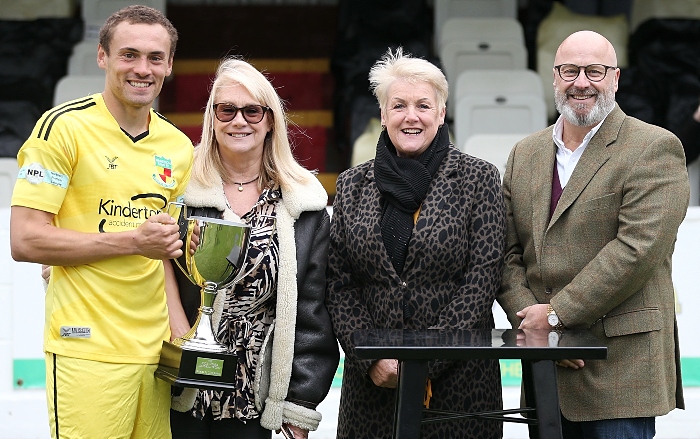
[[198, 359]]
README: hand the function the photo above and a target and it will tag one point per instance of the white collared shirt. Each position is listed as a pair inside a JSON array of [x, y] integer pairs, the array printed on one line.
[[567, 159]]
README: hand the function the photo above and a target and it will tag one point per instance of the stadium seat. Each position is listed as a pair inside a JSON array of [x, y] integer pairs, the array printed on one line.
[[76, 86], [491, 28], [444, 10], [83, 61], [8, 176], [35, 9], [643, 10], [494, 148], [498, 102], [488, 43]]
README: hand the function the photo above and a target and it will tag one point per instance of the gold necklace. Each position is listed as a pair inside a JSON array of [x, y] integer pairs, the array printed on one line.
[[240, 185]]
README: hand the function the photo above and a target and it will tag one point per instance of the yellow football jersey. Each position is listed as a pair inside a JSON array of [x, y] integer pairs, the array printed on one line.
[[80, 165]]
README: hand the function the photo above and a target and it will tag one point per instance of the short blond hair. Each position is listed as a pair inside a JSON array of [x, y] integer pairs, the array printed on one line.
[[397, 65]]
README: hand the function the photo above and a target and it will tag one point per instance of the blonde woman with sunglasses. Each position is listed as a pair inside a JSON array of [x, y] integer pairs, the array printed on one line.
[[244, 171]]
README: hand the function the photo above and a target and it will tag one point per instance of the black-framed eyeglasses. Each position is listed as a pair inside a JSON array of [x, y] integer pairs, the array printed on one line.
[[251, 113], [594, 72]]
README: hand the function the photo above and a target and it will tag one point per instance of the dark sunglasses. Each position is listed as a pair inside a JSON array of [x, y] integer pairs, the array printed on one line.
[[251, 113]]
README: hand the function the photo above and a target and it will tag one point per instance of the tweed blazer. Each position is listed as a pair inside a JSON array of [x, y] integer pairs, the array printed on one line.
[[603, 261]]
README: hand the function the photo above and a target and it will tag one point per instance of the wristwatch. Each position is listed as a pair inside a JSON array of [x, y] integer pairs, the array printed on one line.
[[553, 319]]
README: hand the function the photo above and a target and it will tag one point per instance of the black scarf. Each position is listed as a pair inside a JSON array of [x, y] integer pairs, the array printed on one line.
[[404, 183]]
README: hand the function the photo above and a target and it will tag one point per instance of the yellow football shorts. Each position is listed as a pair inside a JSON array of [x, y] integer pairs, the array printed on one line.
[[92, 399]]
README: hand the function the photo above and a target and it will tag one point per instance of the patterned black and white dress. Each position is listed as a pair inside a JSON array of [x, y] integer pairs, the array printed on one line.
[[248, 312]]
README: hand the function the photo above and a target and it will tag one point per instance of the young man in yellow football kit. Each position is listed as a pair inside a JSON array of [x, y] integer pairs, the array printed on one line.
[[95, 176]]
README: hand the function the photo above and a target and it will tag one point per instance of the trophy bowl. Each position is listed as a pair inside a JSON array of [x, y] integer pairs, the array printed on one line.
[[198, 359]]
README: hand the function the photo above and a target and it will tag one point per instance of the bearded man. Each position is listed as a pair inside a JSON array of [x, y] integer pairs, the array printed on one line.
[[593, 204]]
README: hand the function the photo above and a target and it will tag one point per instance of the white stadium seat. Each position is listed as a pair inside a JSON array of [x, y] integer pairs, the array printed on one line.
[[477, 44], [498, 102], [8, 176], [76, 86], [487, 28], [447, 9], [83, 61], [494, 148]]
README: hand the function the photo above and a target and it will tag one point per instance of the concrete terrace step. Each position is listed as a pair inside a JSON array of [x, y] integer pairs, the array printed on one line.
[[303, 84], [308, 118]]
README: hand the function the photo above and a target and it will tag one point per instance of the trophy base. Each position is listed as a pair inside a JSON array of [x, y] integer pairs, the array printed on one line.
[[203, 370]]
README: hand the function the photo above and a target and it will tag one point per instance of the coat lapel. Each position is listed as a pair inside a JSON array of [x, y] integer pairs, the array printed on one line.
[[542, 165], [430, 208], [593, 158]]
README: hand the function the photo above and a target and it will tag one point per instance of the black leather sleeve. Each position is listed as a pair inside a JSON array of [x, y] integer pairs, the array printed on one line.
[[315, 348]]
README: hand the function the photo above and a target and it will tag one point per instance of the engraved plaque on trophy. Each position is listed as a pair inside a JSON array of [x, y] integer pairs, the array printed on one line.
[[198, 359]]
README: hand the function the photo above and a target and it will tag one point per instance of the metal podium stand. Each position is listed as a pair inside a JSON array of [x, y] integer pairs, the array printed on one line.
[[537, 350]]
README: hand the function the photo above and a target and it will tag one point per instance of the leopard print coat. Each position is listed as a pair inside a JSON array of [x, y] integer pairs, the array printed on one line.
[[452, 272]]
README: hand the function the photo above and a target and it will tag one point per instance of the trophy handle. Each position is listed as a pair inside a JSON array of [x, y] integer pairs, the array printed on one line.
[[178, 210], [191, 227], [239, 277], [179, 213]]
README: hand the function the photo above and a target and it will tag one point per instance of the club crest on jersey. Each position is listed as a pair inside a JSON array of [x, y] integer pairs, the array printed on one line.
[[164, 172]]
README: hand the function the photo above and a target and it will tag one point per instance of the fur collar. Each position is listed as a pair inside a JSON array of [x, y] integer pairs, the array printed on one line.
[[298, 198]]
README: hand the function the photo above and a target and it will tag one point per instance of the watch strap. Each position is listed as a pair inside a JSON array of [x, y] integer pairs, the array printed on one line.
[[550, 310]]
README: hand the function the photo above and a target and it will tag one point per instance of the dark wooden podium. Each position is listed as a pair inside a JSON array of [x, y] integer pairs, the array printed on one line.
[[537, 350]]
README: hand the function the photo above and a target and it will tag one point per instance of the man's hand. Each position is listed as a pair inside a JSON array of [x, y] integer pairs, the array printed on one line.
[[194, 238], [534, 317], [532, 338], [46, 272], [384, 373], [574, 364], [178, 328], [159, 237]]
